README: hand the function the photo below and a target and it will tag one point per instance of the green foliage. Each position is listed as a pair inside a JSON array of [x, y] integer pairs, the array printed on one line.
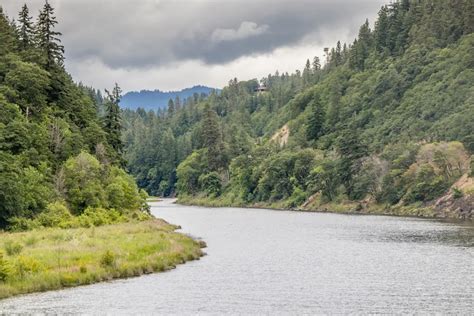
[[382, 121], [457, 194], [12, 248], [316, 121], [55, 215], [189, 171], [6, 269], [210, 183], [82, 182], [49, 128], [108, 259]]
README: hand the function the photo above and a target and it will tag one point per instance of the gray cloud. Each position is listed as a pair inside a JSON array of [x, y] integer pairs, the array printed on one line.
[[247, 29], [142, 34]]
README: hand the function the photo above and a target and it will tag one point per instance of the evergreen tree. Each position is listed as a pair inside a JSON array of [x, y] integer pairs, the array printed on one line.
[[25, 28], [47, 39], [338, 54], [307, 73], [7, 35], [316, 64], [177, 103], [315, 122], [212, 139], [113, 120], [170, 107], [381, 30], [351, 150]]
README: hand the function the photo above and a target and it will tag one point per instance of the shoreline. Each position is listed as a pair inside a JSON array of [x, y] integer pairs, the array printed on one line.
[[344, 210], [54, 259]]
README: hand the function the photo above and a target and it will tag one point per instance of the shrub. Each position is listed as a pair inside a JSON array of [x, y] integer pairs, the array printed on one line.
[[97, 216], [12, 248], [108, 259], [457, 194], [297, 198], [210, 183], [55, 215], [6, 270], [25, 265]]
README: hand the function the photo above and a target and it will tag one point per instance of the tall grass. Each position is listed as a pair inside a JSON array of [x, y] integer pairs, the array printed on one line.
[[54, 258]]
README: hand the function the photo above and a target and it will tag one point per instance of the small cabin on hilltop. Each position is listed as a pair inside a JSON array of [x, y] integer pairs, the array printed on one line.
[[261, 88]]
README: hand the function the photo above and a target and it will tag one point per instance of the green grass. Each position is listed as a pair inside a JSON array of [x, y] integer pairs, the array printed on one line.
[[153, 199], [55, 258]]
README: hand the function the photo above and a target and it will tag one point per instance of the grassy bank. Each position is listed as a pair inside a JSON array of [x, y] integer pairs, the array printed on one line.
[[342, 207], [50, 259]]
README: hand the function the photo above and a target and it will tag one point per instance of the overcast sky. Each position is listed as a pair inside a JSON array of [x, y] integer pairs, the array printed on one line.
[[173, 44]]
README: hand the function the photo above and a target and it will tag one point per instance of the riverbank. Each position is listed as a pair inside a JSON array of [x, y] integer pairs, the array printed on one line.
[[55, 258], [344, 207]]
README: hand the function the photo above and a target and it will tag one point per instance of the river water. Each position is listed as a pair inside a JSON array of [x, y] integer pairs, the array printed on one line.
[[282, 262]]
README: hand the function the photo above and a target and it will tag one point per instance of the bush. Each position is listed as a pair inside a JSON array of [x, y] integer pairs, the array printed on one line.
[[25, 265], [457, 194], [55, 215], [210, 183], [297, 198], [12, 248], [108, 259], [97, 216], [6, 270]]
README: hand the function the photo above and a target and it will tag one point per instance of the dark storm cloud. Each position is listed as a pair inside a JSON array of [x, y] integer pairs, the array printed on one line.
[[138, 34]]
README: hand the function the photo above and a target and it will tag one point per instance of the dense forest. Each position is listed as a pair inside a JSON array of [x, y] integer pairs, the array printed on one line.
[[383, 125], [60, 142]]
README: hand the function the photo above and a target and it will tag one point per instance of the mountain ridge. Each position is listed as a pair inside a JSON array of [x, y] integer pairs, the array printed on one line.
[[158, 99]]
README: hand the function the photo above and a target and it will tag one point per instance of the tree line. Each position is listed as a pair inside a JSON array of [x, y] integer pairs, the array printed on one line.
[[381, 121], [60, 142]]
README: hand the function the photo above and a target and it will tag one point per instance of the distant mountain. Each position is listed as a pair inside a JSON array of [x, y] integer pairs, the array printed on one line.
[[153, 100]]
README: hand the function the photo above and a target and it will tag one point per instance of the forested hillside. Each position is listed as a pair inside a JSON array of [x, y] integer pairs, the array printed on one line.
[[60, 142], [385, 125]]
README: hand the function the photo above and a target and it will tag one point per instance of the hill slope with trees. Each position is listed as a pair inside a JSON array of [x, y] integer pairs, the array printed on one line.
[[60, 142], [384, 126]]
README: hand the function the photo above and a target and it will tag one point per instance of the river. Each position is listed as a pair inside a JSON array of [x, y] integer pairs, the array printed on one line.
[[282, 262]]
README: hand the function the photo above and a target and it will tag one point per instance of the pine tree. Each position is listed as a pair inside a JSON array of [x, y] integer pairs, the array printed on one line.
[[47, 39], [7, 35], [307, 73], [351, 150], [212, 140], [25, 28], [381, 31], [113, 120], [316, 64], [177, 103], [315, 122], [170, 107], [338, 54]]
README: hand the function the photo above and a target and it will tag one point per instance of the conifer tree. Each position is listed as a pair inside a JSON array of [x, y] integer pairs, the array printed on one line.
[[25, 28], [307, 73], [170, 107], [7, 35], [113, 120], [212, 139], [315, 122], [316, 64], [47, 39], [338, 54], [381, 31]]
